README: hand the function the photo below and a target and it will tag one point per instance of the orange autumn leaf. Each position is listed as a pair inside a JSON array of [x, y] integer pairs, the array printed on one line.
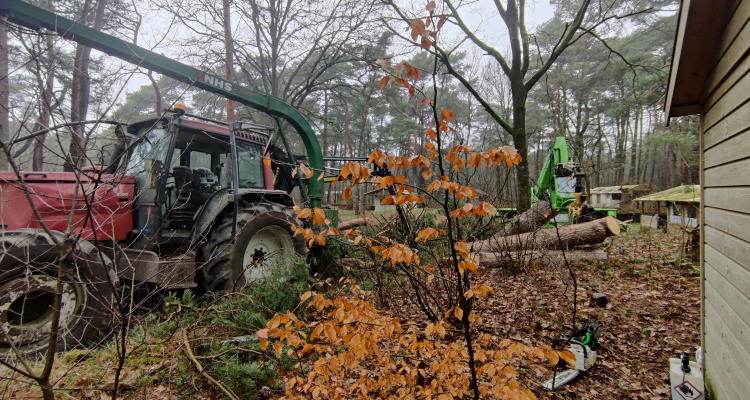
[[447, 114], [384, 82], [355, 172], [466, 192], [475, 160], [441, 21], [417, 28], [483, 290], [425, 43], [347, 193], [302, 213], [458, 313], [485, 208], [462, 248], [305, 171], [467, 266], [318, 216], [568, 357], [427, 234], [391, 180]]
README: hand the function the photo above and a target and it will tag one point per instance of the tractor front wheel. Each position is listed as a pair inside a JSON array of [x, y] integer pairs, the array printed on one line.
[[264, 238], [28, 292]]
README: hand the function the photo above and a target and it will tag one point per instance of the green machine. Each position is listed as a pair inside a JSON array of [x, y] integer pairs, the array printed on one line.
[[564, 184]]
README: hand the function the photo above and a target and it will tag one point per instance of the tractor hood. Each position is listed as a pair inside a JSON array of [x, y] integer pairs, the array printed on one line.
[[99, 206]]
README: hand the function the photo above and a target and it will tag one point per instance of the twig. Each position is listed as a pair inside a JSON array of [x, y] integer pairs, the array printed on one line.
[[228, 392]]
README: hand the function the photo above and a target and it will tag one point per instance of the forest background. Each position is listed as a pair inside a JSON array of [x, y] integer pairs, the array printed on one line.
[[604, 92]]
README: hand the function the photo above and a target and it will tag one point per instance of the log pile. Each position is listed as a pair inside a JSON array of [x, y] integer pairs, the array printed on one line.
[[521, 241], [524, 241]]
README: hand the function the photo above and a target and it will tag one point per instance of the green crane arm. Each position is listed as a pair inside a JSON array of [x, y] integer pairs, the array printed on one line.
[[558, 154], [25, 14]]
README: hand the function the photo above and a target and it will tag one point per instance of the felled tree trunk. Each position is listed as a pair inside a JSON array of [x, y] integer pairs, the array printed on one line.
[[355, 222], [567, 236], [529, 220], [516, 260]]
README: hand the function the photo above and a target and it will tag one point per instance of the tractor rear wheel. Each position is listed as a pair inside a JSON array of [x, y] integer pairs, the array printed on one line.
[[263, 238], [28, 283]]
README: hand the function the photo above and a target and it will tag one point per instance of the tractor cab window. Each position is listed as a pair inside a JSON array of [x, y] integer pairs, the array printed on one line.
[[148, 157], [250, 167], [250, 164], [205, 163]]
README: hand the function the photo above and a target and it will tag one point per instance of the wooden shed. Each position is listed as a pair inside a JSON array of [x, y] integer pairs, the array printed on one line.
[[710, 76], [678, 205], [621, 198]]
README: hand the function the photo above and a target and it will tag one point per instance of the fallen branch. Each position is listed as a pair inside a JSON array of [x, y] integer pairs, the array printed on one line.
[[586, 233], [228, 392]]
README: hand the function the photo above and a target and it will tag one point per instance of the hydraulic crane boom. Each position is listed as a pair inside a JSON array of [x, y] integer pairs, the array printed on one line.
[[32, 17], [558, 154]]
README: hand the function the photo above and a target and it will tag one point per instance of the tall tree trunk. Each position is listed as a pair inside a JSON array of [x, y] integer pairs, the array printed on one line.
[[599, 148], [43, 122], [632, 171], [81, 89], [228, 54], [520, 141], [4, 92]]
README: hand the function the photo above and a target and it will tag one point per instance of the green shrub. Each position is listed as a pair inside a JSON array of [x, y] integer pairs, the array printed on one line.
[[238, 363]]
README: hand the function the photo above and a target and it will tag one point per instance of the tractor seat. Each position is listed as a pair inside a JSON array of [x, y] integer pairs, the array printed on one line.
[[184, 184], [188, 196]]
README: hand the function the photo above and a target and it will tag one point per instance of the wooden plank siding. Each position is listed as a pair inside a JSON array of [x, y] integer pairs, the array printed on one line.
[[725, 212]]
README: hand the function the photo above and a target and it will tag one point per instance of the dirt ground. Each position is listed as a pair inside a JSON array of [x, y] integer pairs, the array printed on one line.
[[653, 313]]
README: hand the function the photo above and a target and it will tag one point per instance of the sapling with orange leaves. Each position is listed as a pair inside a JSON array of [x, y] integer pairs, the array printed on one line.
[[353, 350]]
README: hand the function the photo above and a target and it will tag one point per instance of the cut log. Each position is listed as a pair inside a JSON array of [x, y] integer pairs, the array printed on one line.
[[567, 236], [351, 262], [529, 220], [516, 260], [355, 222]]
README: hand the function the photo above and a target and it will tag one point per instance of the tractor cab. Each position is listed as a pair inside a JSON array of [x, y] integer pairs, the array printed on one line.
[[182, 166]]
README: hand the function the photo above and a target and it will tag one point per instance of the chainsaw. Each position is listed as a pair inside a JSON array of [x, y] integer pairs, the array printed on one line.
[[583, 343]]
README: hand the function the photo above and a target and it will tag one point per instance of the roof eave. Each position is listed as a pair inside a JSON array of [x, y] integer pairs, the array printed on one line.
[[676, 52], [699, 31]]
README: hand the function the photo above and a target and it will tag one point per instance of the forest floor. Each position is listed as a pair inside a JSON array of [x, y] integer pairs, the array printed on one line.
[[652, 314]]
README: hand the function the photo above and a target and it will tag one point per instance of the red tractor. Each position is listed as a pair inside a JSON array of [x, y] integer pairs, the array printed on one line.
[[162, 213], [183, 202]]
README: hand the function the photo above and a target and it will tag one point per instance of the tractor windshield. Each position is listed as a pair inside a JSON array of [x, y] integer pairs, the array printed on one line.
[[148, 156]]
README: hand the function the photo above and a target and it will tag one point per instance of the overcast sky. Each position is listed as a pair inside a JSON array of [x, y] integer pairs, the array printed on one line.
[[481, 15]]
